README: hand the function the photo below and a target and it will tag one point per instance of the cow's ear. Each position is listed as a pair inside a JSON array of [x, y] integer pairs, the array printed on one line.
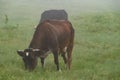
[[21, 53]]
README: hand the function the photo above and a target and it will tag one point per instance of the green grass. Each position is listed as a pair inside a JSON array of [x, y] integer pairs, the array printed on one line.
[[96, 54]]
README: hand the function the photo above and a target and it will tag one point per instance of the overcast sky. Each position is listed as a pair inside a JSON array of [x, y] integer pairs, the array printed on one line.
[[69, 5]]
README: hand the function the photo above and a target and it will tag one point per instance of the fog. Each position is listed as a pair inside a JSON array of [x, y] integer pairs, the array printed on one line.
[[70, 5], [83, 5], [29, 8]]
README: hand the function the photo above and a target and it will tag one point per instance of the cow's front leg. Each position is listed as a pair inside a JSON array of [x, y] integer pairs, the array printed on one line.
[[42, 62], [56, 59]]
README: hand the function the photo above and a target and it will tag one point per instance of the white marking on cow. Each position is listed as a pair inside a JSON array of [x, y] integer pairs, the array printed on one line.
[[36, 49], [65, 49], [27, 53]]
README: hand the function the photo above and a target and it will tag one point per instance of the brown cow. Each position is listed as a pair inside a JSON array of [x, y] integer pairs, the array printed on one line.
[[56, 36]]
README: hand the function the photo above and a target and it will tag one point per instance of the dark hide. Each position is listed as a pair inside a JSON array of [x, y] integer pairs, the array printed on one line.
[[54, 15]]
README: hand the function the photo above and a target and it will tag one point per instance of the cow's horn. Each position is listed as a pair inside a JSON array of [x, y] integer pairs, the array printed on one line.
[[36, 49], [20, 50]]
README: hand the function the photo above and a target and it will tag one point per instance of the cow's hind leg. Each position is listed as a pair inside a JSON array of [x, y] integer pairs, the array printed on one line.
[[63, 54], [64, 57], [55, 53], [70, 48], [69, 55]]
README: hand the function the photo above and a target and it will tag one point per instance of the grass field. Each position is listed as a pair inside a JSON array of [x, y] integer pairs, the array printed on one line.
[[96, 54]]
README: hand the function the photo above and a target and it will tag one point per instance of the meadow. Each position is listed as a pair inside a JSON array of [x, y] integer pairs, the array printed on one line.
[[96, 54]]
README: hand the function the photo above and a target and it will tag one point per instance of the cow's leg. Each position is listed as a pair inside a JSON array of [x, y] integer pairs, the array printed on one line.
[[69, 50], [42, 62], [63, 54], [55, 53], [69, 55], [64, 57]]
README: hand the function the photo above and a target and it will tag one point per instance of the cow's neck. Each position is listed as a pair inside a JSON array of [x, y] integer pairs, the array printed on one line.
[[36, 42]]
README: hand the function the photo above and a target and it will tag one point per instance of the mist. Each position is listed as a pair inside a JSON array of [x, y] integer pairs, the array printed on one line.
[[33, 9], [70, 5]]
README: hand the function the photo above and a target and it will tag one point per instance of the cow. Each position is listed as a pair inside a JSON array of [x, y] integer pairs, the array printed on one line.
[[56, 36]]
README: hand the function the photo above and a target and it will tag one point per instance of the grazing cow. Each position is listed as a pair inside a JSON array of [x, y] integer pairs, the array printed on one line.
[[56, 36]]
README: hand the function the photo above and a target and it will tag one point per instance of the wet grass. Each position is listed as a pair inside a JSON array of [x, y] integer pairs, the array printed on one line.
[[96, 54]]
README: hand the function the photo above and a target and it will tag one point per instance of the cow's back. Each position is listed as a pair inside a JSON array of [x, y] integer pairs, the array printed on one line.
[[52, 33]]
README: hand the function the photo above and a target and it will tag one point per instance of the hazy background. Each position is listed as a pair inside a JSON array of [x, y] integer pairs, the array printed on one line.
[[32, 9], [81, 5]]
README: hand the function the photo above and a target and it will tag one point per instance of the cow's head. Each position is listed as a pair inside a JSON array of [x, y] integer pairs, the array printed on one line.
[[29, 57]]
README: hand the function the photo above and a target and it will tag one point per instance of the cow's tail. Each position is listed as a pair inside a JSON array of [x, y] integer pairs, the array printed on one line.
[[72, 32], [70, 47]]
